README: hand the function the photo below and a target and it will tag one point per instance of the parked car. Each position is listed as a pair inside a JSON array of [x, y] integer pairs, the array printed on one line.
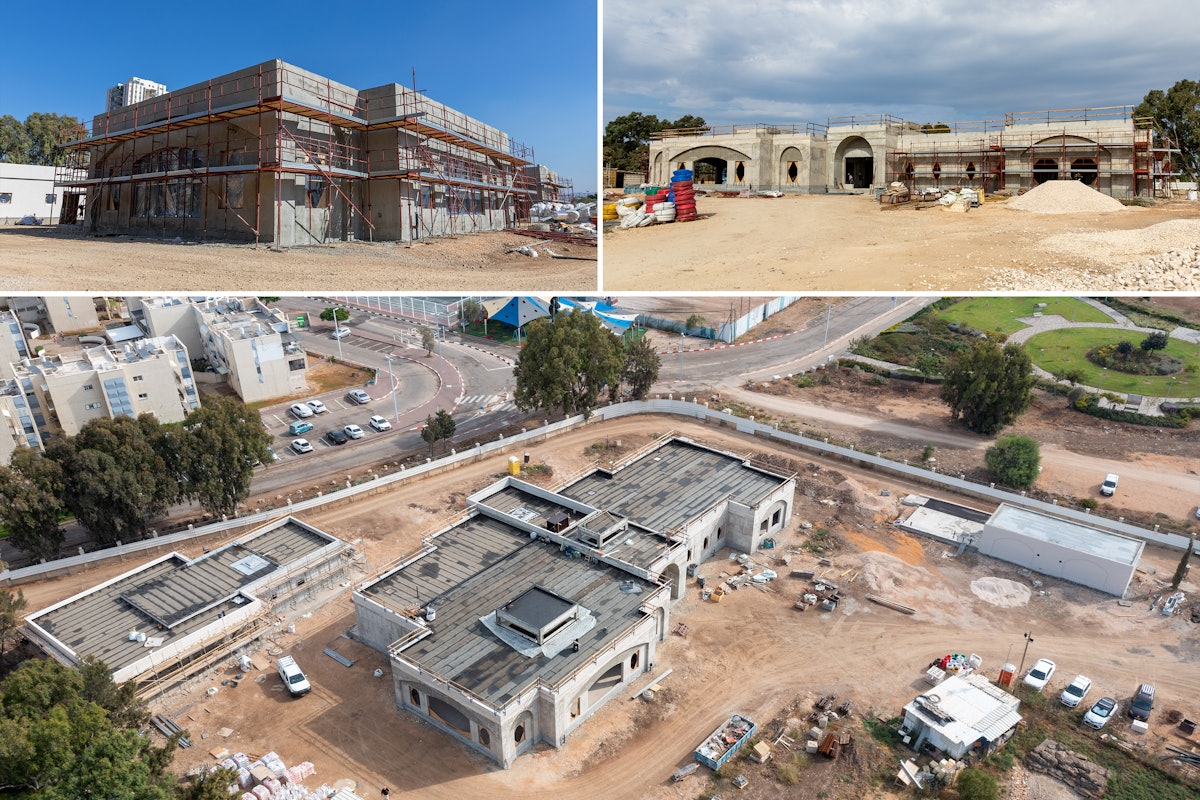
[[358, 396], [353, 431], [1109, 487], [301, 446], [1073, 695], [379, 423], [336, 437], [293, 676], [301, 410], [298, 427], [317, 406], [340, 333], [1039, 674], [1099, 714], [1143, 702]]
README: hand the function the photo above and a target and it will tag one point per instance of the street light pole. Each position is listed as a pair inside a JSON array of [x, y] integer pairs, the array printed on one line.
[[392, 378], [828, 312], [682, 339], [336, 330]]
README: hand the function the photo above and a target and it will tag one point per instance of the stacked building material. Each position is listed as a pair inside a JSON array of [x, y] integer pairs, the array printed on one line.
[[683, 195]]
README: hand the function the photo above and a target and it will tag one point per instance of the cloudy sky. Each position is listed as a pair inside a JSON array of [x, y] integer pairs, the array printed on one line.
[[923, 60]]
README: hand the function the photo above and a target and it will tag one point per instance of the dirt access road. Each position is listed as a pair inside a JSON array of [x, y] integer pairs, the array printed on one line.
[[52, 259], [845, 243], [752, 653]]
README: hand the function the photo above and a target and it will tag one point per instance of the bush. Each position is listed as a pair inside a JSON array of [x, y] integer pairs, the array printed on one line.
[[1090, 503], [1091, 405], [1014, 460], [975, 784]]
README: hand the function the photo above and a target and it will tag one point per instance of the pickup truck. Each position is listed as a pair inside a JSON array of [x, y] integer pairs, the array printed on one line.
[[293, 676]]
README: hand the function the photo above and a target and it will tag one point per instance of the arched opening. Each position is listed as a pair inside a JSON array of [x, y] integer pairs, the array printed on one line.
[[709, 170], [858, 160], [739, 172], [519, 733], [415, 697], [1084, 169], [704, 547], [793, 172], [937, 173], [635, 659], [1045, 169], [449, 716], [681, 165], [909, 171], [970, 170], [485, 738], [604, 684]]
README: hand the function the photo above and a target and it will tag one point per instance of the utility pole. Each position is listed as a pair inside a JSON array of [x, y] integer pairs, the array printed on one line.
[[1028, 641], [828, 312], [392, 378]]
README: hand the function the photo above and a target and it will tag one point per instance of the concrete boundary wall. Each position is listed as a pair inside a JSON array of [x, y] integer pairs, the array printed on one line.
[[692, 410]]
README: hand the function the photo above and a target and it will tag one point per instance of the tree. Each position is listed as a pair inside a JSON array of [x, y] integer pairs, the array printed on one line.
[[1014, 460], [694, 321], [975, 784], [986, 387], [438, 427], [11, 618], [427, 340], [1125, 348], [209, 785], [56, 742], [1176, 114], [567, 363], [626, 138], [14, 140], [1155, 341], [1182, 570], [31, 488], [218, 447], [471, 310], [35, 141], [640, 371], [928, 363], [335, 311]]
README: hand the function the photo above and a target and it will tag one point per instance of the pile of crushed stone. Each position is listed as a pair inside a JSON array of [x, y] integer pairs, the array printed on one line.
[[1064, 197], [1001, 592]]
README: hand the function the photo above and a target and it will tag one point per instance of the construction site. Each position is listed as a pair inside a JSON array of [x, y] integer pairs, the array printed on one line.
[[276, 154]]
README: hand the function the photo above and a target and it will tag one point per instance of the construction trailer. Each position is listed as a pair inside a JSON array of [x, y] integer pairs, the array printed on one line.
[[1108, 148], [274, 153]]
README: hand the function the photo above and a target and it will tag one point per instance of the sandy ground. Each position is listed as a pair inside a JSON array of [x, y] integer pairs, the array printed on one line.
[[752, 653], [48, 259], [846, 243]]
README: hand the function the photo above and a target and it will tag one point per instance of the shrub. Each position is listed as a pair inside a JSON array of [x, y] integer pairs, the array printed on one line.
[[1089, 503], [1014, 460], [975, 784]]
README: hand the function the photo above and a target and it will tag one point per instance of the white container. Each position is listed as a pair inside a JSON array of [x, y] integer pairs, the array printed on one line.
[[1193, 194]]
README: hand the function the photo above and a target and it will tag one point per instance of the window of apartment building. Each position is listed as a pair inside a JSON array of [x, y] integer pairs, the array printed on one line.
[[138, 377], [143, 396], [5, 198], [91, 406], [87, 387], [296, 365], [51, 199]]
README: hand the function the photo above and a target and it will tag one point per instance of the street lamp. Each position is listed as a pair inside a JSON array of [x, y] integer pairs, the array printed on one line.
[[336, 331], [1103, 373], [1028, 641], [682, 338], [828, 312], [392, 378]]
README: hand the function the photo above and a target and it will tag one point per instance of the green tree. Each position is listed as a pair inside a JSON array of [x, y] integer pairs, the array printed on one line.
[[14, 140], [567, 364], [12, 606], [975, 784], [438, 427], [118, 476], [626, 138], [35, 141], [218, 447], [472, 311], [210, 785], [1181, 571], [1014, 460], [1176, 114], [335, 311], [928, 363], [694, 321], [641, 368], [987, 387], [56, 743], [1125, 348], [427, 340], [1155, 341], [31, 488]]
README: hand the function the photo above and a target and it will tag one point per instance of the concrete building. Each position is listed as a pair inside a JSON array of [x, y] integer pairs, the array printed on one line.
[[29, 190], [133, 91], [960, 716], [18, 427], [169, 316], [249, 344], [548, 185], [13, 344], [166, 620], [275, 153], [513, 625], [1105, 147], [147, 376], [63, 314]]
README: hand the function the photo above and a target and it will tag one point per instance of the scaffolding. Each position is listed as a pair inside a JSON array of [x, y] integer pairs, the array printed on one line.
[[198, 163]]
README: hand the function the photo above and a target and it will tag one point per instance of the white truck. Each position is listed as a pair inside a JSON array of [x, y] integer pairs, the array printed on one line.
[[293, 676]]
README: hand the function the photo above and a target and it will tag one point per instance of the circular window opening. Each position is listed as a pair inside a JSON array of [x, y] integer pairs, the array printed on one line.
[[415, 696], [740, 172], [1084, 169], [519, 733], [1045, 169], [970, 170], [485, 738], [793, 172]]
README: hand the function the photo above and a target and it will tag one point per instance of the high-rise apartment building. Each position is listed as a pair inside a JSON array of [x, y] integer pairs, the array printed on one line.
[[135, 90]]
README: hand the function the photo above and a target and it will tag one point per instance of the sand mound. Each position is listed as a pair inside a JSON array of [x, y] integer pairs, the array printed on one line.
[[1000, 592], [887, 575], [1064, 197]]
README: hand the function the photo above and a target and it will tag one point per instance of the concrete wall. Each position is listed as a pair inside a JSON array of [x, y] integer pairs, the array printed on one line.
[[24, 189], [1056, 561]]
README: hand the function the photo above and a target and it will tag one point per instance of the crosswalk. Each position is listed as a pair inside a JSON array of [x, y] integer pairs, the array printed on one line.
[[489, 402]]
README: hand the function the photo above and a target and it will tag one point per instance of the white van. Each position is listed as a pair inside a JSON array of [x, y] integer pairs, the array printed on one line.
[[1109, 487]]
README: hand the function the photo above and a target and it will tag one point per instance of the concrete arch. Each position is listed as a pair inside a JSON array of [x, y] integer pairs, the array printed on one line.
[[854, 162], [674, 574], [658, 174], [792, 163], [711, 151]]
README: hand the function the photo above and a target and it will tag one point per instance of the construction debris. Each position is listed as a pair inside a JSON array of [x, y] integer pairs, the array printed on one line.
[[889, 604]]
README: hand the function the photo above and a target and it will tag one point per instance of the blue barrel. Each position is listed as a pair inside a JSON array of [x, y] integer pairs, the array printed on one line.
[[681, 175]]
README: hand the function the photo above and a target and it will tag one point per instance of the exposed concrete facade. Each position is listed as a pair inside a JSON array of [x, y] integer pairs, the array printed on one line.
[[279, 154], [1105, 147], [18, 427], [64, 314]]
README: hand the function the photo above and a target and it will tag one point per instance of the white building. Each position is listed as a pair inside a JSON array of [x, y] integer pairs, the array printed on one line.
[[18, 427], [13, 346], [27, 190], [135, 90], [253, 347], [59, 314], [961, 715]]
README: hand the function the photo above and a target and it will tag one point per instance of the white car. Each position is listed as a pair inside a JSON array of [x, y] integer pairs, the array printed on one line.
[[353, 431], [1039, 674], [358, 396], [317, 406], [379, 423], [1109, 487], [1073, 695], [1104, 710], [301, 446], [301, 410]]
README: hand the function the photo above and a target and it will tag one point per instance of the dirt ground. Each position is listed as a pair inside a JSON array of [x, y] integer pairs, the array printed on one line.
[[752, 653], [846, 243], [54, 259]]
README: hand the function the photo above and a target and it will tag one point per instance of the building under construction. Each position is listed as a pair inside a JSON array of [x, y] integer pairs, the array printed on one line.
[[274, 153], [1109, 148]]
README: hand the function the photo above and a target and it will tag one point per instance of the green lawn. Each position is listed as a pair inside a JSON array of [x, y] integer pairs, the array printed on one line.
[[1000, 314], [1057, 351]]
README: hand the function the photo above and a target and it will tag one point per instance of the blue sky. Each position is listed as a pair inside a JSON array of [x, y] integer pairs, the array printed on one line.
[[781, 61], [530, 72]]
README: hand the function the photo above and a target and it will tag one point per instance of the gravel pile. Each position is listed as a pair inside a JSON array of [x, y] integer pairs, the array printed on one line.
[[1064, 197]]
